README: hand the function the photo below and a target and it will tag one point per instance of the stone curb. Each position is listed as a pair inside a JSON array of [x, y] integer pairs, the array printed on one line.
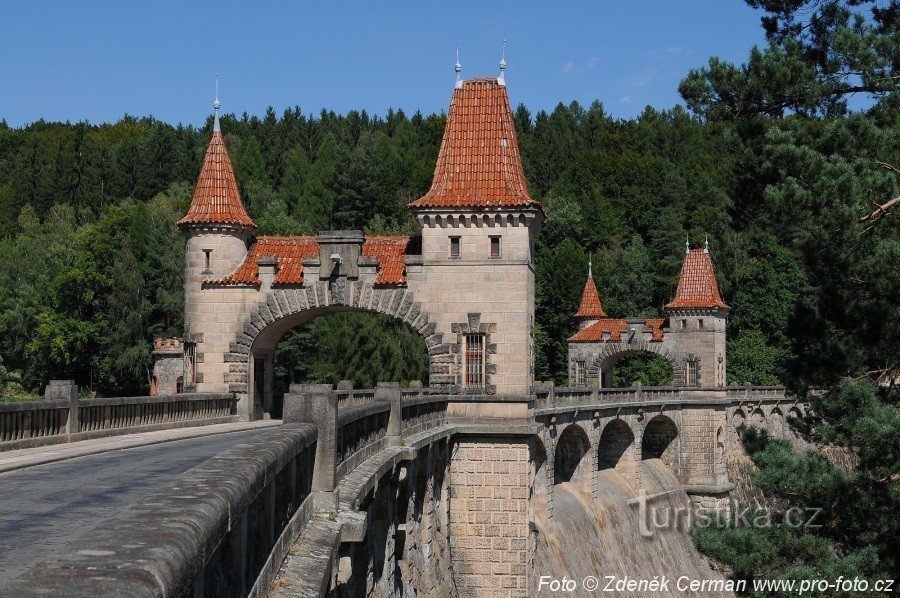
[[55, 452]]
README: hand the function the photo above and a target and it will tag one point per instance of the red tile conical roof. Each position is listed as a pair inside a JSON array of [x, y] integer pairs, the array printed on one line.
[[590, 307], [697, 286], [216, 197], [478, 165]]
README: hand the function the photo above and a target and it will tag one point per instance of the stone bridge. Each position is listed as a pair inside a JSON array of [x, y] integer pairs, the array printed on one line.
[[391, 490]]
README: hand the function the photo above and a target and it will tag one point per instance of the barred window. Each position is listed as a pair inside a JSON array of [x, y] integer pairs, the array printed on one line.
[[579, 373], [474, 374], [692, 372]]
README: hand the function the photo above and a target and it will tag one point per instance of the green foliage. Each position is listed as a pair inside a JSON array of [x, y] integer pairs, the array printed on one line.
[[647, 368], [855, 525], [364, 348]]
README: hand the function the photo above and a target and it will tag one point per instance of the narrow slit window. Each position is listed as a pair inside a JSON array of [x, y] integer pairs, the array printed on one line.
[[207, 259], [700, 324], [475, 360], [454, 247], [495, 247], [684, 324]]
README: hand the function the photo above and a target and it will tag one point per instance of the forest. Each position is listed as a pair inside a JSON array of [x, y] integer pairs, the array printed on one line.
[[788, 163]]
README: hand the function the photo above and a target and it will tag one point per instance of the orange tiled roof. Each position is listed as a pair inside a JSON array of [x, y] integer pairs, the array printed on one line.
[[613, 328], [478, 164], [590, 302], [391, 253], [697, 286], [216, 199], [290, 251], [594, 333]]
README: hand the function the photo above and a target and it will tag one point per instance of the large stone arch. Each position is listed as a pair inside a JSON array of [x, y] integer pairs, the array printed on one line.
[[612, 352], [286, 308]]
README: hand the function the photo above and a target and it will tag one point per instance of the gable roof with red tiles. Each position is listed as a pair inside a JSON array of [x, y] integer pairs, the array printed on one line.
[[389, 250], [590, 306], [613, 328], [216, 198], [697, 286], [478, 164]]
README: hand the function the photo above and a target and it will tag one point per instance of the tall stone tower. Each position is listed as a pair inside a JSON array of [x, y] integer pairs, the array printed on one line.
[[215, 228], [478, 229], [697, 317]]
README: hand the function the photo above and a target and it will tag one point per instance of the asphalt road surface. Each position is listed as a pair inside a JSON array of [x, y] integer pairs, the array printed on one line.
[[44, 507]]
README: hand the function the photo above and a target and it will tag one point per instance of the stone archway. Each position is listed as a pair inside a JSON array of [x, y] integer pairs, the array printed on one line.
[[571, 458], [658, 441], [615, 450], [612, 352], [285, 308]]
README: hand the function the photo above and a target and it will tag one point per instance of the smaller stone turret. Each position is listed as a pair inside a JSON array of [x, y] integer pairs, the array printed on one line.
[[697, 316], [590, 311]]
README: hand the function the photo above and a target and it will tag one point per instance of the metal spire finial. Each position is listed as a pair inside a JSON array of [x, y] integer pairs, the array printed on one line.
[[687, 244], [590, 265], [501, 80], [458, 69], [706, 245], [216, 105]]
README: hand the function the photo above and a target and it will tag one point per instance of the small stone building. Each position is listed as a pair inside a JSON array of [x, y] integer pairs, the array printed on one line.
[[469, 292], [168, 367], [691, 336]]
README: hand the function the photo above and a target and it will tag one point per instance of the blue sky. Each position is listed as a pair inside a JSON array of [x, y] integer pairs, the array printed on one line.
[[97, 61]]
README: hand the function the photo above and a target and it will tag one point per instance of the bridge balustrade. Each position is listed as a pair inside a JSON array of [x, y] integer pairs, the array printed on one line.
[[36, 423], [361, 431]]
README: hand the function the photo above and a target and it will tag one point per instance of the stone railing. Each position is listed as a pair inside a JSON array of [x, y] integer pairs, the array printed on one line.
[[422, 410], [361, 431], [347, 396], [221, 529], [61, 417]]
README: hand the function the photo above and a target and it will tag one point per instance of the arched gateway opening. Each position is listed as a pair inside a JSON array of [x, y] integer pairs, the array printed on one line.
[[638, 367], [253, 357]]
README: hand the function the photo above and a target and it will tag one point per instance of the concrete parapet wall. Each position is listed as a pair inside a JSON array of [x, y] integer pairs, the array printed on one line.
[[221, 529]]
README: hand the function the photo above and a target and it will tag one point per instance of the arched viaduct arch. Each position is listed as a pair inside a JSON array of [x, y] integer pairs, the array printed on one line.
[[285, 308]]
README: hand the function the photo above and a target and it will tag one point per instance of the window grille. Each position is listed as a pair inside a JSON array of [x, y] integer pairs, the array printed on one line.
[[579, 373], [692, 373], [474, 360]]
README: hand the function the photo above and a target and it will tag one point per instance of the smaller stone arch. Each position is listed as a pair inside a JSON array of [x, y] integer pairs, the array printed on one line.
[[658, 441], [758, 419], [615, 449], [612, 352], [776, 423], [571, 457], [738, 419]]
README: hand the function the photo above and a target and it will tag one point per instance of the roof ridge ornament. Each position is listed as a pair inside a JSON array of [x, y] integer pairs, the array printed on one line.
[[501, 80], [687, 244], [458, 68], [216, 105], [706, 245], [590, 265]]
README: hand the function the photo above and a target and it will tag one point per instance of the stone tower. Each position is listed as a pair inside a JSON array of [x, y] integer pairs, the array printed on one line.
[[478, 229], [215, 228], [697, 317]]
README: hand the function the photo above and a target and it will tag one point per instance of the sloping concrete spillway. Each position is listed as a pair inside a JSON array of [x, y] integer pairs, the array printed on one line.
[[603, 537]]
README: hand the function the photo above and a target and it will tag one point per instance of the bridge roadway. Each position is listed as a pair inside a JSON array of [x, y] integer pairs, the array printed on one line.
[[43, 506]]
